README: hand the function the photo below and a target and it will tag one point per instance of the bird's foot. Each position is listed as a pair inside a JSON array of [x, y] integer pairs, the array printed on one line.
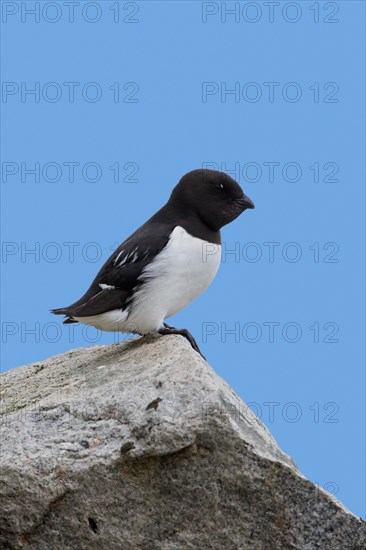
[[167, 329]]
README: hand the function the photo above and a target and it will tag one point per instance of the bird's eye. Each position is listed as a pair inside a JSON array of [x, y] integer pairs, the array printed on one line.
[[219, 186]]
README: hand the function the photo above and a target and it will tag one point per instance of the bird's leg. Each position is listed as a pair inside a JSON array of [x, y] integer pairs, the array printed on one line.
[[167, 329]]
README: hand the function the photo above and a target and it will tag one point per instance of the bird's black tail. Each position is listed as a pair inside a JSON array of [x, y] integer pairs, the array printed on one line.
[[64, 311]]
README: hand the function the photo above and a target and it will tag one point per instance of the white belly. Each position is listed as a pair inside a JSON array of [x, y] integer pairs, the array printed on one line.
[[178, 275]]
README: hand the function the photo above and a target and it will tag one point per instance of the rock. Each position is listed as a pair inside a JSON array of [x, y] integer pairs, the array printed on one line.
[[140, 445]]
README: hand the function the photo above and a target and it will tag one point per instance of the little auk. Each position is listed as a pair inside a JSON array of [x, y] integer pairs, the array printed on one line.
[[166, 263]]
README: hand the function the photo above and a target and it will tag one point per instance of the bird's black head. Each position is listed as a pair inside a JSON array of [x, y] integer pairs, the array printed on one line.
[[216, 197]]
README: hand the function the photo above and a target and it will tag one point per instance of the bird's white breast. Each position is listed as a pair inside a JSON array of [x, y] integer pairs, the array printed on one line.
[[179, 274]]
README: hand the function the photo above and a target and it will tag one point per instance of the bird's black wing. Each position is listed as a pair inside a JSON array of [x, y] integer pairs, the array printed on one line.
[[116, 280]]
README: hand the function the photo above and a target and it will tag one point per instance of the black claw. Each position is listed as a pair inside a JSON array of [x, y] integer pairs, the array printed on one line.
[[167, 329]]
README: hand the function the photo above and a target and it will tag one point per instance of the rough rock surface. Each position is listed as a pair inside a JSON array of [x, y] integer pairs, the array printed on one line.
[[140, 445]]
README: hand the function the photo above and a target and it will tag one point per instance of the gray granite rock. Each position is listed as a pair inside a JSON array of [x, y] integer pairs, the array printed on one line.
[[140, 445]]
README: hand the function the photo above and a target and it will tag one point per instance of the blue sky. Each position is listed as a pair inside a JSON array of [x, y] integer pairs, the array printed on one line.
[[124, 102]]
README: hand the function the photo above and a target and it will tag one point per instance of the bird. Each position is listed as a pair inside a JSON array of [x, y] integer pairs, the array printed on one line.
[[166, 263]]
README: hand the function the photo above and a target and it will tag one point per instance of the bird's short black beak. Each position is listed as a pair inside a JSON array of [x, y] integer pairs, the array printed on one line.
[[245, 202]]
